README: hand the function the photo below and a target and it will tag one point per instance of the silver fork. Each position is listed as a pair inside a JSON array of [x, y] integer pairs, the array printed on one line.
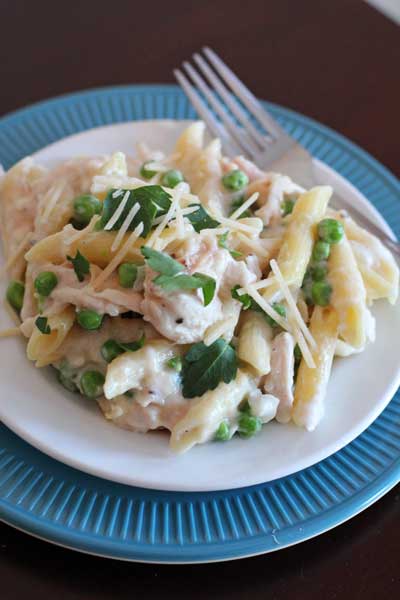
[[273, 150]]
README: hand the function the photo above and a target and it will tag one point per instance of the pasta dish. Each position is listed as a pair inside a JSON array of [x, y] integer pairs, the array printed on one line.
[[190, 292]]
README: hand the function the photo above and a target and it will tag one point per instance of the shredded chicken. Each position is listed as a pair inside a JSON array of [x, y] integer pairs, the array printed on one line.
[[279, 382]]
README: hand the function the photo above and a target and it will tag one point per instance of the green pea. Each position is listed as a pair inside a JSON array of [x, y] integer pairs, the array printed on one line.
[[330, 230], [171, 178], [127, 273], [15, 294], [287, 207], [110, 350], [85, 207], [321, 293], [45, 283], [248, 425], [175, 363], [321, 251], [235, 180], [145, 172], [280, 309], [319, 271], [297, 353], [223, 433], [67, 383], [92, 383], [89, 319], [306, 287]]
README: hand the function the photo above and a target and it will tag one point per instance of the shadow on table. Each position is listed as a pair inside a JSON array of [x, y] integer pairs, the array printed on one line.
[[339, 564]]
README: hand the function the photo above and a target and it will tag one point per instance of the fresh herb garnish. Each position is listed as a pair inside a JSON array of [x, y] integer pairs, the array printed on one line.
[[204, 367], [81, 265], [245, 299], [200, 219], [161, 262], [42, 325], [172, 278], [153, 202], [222, 243]]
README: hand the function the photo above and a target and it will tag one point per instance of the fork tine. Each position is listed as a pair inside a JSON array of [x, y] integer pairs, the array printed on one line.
[[245, 145], [230, 101], [215, 128], [244, 94]]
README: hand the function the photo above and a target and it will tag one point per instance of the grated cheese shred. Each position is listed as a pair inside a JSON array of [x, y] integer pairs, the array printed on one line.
[[118, 258]]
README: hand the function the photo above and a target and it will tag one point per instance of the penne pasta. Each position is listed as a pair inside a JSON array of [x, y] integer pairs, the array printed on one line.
[[348, 295], [311, 384]]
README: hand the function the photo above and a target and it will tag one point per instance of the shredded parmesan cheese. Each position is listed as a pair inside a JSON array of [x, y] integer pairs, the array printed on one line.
[[238, 226], [303, 346], [83, 232], [255, 245], [263, 283], [50, 200], [124, 227], [117, 193], [177, 193], [114, 218], [267, 307], [118, 258], [239, 211], [291, 303]]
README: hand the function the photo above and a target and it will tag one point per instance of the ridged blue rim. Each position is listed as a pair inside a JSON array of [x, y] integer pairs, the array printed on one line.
[[63, 505]]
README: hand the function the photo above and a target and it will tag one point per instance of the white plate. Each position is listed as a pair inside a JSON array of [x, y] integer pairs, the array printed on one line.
[[72, 429]]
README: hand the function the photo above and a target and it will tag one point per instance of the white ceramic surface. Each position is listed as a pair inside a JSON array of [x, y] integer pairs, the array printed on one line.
[[72, 429]]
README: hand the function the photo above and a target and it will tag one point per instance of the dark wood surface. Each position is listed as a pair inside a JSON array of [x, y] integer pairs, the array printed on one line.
[[335, 61]]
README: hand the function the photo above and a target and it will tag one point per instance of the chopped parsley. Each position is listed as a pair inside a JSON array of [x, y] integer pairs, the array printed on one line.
[[222, 243], [42, 324], [81, 265], [204, 367], [153, 202], [171, 277], [200, 219]]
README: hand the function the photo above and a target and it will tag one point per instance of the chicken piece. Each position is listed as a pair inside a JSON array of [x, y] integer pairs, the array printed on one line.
[[279, 382], [112, 301], [181, 316], [18, 203], [81, 348], [157, 400], [272, 189], [128, 414]]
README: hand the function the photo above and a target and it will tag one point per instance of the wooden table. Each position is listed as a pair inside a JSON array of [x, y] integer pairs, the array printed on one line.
[[335, 61]]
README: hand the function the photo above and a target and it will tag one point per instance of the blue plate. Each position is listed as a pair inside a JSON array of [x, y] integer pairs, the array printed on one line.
[[62, 505]]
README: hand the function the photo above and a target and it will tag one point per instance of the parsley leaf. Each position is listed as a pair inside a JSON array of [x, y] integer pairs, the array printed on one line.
[[245, 299], [204, 367], [208, 285], [171, 277], [161, 262], [200, 219], [222, 243], [41, 324], [81, 265], [153, 202]]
